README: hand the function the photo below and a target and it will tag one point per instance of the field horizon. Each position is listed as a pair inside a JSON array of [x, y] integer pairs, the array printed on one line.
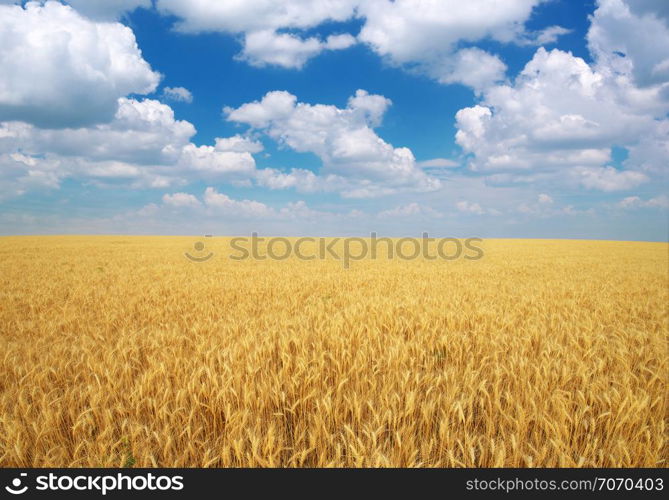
[[196, 237]]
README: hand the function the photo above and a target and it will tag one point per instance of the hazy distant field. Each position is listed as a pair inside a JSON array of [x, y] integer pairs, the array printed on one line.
[[119, 351]]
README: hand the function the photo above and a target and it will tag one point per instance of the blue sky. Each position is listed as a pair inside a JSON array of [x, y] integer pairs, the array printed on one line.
[[533, 119]]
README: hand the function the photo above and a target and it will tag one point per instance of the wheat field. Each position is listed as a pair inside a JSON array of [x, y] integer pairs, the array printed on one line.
[[118, 351]]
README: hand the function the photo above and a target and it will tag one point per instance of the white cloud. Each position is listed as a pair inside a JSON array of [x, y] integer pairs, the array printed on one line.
[[267, 47], [563, 115], [282, 49], [556, 104], [560, 114], [243, 208], [340, 42], [260, 114], [342, 138], [143, 132], [409, 30], [223, 204], [632, 202], [241, 16], [259, 21], [545, 199], [213, 163], [473, 67], [178, 94], [370, 107], [425, 36], [60, 69], [181, 200], [143, 146]]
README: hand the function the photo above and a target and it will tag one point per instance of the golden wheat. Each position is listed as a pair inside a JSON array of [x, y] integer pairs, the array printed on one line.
[[118, 351]]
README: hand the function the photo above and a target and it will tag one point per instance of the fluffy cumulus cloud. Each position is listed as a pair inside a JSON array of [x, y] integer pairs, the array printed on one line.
[[267, 47], [262, 25], [250, 15], [211, 162], [424, 36], [181, 200], [146, 146], [559, 112], [431, 37], [143, 146], [343, 139], [60, 69], [144, 132], [472, 67], [428, 35], [562, 116]]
